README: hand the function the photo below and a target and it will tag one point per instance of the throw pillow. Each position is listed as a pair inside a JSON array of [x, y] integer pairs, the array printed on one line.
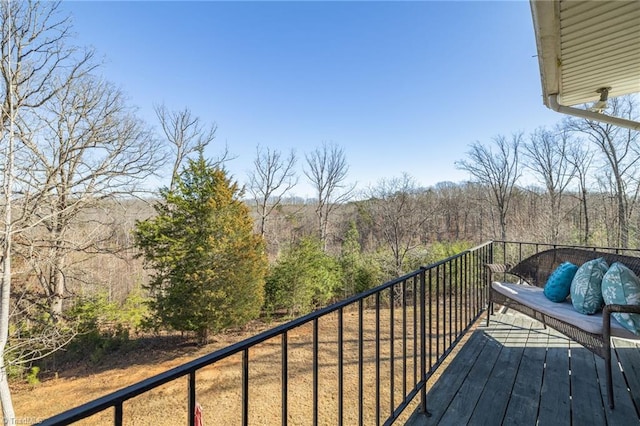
[[622, 287], [558, 286], [586, 287]]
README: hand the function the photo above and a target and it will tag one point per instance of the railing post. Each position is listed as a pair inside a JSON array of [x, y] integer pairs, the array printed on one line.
[[192, 399], [423, 344], [520, 251], [429, 326], [415, 330], [491, 253], [245, 387], [404, 337], [377, 358], [117, 417], [360, 362], [392, 291], [284, 392], [484, 290], [340, 367], [315, 372]]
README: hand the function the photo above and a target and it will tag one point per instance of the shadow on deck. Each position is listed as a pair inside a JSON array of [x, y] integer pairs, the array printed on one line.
[[515, 372]]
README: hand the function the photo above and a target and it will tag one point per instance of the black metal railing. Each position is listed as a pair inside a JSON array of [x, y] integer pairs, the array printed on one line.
[[514, 251], [373, 353]]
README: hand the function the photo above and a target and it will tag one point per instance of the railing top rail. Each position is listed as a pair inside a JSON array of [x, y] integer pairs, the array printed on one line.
[[578, 246], [455, 256]]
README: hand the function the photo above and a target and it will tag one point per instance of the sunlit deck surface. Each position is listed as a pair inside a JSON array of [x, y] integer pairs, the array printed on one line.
[[515, 372]]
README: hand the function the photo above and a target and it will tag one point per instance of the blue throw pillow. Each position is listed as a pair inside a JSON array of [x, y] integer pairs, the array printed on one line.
[[621, 286], [558, 285], [586, 287]]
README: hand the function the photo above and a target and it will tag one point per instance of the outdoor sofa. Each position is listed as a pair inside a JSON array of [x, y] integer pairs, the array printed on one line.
[[594, 332]]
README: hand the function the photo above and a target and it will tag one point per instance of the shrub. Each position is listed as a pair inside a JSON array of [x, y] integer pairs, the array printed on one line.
[[32, 376], [103, 326], [304, 278]]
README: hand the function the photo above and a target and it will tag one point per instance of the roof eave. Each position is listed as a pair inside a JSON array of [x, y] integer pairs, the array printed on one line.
[[547, 26], [546, 23]]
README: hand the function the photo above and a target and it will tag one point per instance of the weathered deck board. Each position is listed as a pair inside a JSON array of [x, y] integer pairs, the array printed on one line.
[[584, 390], [629, 357], [554, 395], [515, 372], [461, 407], [444, 391], [496, 393], [522, 409], [625, 408]]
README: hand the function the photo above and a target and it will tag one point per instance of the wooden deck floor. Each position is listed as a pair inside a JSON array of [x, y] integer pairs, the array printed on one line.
[[517, 373]]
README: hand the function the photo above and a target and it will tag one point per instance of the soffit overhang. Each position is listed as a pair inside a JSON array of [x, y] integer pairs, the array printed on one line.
[[587, 45]]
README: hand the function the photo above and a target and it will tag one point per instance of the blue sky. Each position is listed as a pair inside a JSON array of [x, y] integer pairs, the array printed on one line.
[[401, 86]]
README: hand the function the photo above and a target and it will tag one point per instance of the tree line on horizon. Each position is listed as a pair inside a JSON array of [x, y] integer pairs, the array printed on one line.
[[85, 260]]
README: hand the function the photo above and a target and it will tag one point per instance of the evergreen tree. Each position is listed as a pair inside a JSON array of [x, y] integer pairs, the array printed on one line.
[[208, 265]]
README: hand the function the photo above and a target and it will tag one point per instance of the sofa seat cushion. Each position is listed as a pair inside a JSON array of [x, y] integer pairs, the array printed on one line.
[[534, 298]]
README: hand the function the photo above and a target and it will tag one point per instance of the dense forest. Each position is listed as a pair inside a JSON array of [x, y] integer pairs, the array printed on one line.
[[90, 257]]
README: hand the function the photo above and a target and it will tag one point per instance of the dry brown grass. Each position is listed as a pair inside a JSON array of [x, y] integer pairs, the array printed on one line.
[[219, 385]]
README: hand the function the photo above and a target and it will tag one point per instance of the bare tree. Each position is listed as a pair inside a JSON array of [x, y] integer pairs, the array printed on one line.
[[621, 158], [50, 106], [498, 171], [455, 212], [327, 171], [7, 252], [34, 62], [185, 133], [581, 158], [86, 145], [272, 177], [546, 153], [399, 214]]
